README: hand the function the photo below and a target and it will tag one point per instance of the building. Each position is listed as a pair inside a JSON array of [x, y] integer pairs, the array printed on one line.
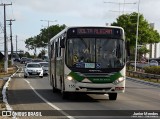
[[154, 48]]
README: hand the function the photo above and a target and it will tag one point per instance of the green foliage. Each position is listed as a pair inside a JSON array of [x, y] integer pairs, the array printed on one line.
[[2, 64], [27, 54], [152, 70], [21, 55], [146, 33], [143, 50], [42, 53], [41, 40]]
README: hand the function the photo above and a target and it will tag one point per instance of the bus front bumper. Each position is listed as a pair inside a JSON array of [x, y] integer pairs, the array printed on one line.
[[99, 88]]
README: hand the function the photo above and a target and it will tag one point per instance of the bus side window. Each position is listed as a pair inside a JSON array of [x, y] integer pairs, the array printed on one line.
[[56, 49], [59, 48], [52, 50]]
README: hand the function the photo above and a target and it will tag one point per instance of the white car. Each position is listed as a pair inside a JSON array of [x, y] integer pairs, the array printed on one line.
[[44, 67], [153, 63], [33, 69]]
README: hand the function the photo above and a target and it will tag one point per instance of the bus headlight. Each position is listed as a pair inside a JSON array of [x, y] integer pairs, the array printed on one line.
[[69, 78], [119, 80]]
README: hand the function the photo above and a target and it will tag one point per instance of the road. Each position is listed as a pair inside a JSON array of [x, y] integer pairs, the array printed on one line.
[[36, 94]]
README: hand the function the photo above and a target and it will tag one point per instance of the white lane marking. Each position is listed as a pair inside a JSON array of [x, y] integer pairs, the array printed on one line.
[[19, 74], [27, 81], [53, 106]]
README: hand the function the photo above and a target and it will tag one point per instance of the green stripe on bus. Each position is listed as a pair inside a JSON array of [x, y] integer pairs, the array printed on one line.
[[110, 79], [95, 79]]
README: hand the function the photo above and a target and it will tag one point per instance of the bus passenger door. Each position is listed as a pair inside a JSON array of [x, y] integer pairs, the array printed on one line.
[[59, 66], [53, 65]]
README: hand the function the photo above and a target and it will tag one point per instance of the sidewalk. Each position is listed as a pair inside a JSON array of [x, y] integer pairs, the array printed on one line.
[[2, 103], [2, 82], [3, 78]]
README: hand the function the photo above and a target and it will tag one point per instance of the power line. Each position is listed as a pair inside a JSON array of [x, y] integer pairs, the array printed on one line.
[[119, 3]]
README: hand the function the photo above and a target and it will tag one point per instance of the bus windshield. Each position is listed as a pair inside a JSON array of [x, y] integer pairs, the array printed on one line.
[[97, 53]]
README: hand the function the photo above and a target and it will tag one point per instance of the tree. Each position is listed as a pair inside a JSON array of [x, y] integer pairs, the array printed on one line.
[[41, 40], [143, 50], [42, 53], [146, 33], [30, 43], [27, 54]]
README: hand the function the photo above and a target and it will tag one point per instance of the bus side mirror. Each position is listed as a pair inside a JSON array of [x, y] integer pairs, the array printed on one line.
[[62, 43]]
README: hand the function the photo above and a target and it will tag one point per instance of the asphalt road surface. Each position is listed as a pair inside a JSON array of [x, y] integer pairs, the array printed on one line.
[[35, 94]]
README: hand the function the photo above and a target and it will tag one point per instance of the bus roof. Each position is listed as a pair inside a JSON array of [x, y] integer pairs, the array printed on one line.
[[62, 33]]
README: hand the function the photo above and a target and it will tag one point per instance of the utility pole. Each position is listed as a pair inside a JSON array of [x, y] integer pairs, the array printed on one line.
[[16, 44], [48, 25], [11, 39], [5, 40], [48, 30]]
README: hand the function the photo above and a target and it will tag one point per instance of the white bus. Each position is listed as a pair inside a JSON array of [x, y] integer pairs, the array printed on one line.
[[88, 60]]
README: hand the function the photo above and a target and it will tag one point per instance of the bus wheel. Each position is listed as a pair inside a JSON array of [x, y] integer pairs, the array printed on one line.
[[112, 96], [54, 89], [64, 95]]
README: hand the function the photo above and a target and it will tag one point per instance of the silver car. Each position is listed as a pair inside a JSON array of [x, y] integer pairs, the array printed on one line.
[[44, 67], [33, 69], [153, 63]]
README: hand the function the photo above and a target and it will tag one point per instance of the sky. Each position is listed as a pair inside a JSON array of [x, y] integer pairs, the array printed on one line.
[[29, 13]]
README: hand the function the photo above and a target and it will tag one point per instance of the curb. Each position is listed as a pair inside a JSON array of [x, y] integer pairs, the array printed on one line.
[[5, 89], [144, 82]]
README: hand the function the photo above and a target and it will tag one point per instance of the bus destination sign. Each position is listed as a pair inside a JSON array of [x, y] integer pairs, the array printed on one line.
[[96, 31]]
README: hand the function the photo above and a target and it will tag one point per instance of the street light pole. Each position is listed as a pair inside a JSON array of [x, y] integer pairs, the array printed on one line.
[[48, 21], [120, 5], [135, 65]]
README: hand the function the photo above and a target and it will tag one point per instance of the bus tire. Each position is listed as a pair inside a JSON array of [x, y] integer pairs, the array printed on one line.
[[54, 89], [64, 95], [112, 96]]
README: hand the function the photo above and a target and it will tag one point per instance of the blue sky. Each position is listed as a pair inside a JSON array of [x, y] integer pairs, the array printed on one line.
[[28, 14]]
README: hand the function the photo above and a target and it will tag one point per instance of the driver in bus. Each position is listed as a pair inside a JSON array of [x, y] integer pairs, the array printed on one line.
[[107, 58], [85, 55], [75, 57]]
